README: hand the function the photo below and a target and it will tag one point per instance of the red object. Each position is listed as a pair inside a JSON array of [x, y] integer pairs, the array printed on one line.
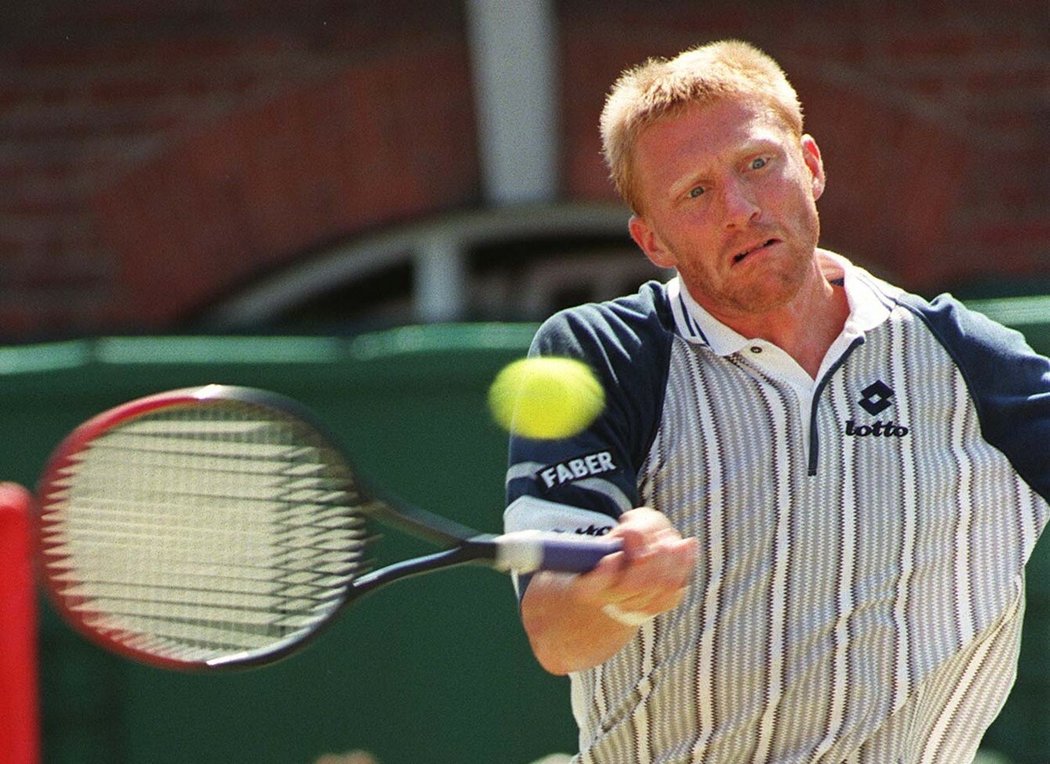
[[19, 714]]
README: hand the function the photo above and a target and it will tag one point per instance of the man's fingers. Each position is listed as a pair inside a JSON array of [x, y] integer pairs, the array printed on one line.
[[655, 581], [649, 574]]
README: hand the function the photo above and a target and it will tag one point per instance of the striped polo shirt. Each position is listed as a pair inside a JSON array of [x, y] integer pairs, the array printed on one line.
[[859, 591]]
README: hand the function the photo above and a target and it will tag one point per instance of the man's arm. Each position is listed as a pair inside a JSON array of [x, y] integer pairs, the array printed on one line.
[[563, 614]]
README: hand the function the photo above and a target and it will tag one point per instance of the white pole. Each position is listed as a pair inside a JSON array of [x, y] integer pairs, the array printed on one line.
[[514, 51]]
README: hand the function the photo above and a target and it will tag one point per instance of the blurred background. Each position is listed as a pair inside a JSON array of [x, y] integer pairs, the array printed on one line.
[[354, 202]]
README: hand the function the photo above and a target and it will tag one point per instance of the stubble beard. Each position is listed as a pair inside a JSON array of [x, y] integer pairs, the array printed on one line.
[[772, 285]]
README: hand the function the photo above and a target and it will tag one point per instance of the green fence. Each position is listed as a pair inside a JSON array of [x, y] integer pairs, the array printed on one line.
[[1021, 730], [432, 670]]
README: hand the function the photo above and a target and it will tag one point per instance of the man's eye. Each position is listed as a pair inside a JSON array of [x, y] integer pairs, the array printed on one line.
[[697, 192], [758, 163]]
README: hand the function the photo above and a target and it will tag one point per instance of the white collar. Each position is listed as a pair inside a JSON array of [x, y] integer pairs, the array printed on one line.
[[869, 299]]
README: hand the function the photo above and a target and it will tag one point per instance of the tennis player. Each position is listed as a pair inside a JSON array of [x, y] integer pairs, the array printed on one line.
[[827, 488]]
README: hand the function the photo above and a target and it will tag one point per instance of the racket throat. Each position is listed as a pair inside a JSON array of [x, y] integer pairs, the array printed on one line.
[[479, 548]]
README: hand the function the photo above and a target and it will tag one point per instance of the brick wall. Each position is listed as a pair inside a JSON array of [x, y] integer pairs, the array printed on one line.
[[156, 154], [931, 117], [153, 153]]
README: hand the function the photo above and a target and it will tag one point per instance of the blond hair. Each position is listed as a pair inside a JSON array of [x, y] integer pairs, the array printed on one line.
[[663, 87]]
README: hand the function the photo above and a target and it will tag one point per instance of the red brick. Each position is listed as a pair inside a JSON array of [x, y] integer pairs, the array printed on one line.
[[227, 138], [254, 187]]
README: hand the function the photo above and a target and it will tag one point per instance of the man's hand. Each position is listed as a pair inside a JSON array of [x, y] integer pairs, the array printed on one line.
[[568, 618]]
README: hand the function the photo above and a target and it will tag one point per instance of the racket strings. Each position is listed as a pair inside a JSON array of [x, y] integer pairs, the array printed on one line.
[[194, 532]]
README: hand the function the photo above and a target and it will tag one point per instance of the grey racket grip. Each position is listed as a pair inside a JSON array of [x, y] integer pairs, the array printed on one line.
[[528, 551]]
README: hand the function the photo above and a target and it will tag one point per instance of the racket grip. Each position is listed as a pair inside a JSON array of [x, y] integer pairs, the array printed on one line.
[[528, 551]]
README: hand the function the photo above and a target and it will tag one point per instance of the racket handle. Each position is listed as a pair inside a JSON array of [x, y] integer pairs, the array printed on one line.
[[528, 551]]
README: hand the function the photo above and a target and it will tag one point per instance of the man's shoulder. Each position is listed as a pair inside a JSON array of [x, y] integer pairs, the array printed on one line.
[[626, 325], [965, 331]]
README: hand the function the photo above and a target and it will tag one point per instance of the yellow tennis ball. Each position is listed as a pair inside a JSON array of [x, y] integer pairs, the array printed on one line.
[[546, 398]]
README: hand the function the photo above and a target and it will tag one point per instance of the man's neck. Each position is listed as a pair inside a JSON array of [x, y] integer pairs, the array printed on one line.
[[805, 327]]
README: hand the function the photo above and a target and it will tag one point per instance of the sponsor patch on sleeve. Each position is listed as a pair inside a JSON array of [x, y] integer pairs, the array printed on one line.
[[531, 513], [577, 468]]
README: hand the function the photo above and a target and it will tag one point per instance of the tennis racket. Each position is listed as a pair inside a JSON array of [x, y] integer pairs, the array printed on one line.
[[219, 527]]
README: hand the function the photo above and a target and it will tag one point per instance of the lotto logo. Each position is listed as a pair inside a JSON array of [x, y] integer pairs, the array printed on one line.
[[877, 429], [876, 398]]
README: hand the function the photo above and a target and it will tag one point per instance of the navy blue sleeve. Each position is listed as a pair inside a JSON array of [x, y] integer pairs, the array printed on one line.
[[627, 343], [1009, 382]]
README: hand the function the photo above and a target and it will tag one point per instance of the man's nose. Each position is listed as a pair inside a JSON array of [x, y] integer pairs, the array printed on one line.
[[739, 204]]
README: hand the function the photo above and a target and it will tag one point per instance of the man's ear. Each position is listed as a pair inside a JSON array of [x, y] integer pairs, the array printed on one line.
[[648, 241], [811, 156]]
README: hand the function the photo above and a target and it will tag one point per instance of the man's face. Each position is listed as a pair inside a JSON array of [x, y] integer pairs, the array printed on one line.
[[729, 200]]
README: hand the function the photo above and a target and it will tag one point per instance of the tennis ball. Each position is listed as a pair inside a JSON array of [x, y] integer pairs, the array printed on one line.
[[546, 398]]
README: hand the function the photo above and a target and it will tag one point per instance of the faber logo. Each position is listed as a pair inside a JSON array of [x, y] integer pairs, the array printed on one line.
[[577, 469]]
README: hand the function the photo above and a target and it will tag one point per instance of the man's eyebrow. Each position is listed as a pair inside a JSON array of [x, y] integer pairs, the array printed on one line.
[[687, 180], [690, 178]]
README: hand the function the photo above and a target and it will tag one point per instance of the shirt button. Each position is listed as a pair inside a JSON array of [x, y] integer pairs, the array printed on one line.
[[756, 349]]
